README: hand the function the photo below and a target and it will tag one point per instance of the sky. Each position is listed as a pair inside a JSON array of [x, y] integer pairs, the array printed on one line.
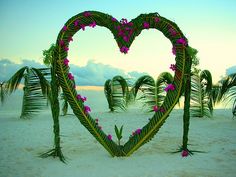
[[30, 26]]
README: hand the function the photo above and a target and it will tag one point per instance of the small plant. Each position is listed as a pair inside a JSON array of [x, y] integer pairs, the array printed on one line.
[[119, 133]]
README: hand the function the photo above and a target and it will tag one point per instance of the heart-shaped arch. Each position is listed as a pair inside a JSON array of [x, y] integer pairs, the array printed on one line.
[[124, 33]]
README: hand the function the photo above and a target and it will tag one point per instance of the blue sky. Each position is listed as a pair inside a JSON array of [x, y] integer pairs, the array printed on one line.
[[30, 26]]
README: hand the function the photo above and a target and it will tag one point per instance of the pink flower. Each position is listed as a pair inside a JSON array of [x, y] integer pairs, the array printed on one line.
[[130, 24], [162, 110], [87, 14], [133, 133], [66, 48], [82, 26], [138, 131], [155, 108], [146, 25], [66, 61], [109, 137], [70, 39], [64, 28], [70, 76], [93, 24], [172, 31], [169, 87], [87, 109], [184, 153], [96, 120], [157, 19], [125, 38], [124, 21], [173, 67], [113, 19], [181, 41], [174, 50], [124, 49], [79, 97], [76, 22], [100, 127], [61, 42]]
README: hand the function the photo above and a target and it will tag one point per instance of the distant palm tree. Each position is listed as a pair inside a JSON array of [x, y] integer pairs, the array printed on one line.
[[3, 91], [116, 92], [225, 91], [36, 89], [153, 92], [201, 94]]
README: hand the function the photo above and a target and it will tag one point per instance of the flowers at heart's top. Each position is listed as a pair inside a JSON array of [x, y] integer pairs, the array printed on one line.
[[87, 109], [66, 61], [146, 25], [70, 76], [124, 21], [109, 137], [169, 87], [113, 19], [124, 49], [87, 14]]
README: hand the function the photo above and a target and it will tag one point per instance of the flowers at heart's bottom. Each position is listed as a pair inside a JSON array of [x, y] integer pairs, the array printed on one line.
[[184, 153]]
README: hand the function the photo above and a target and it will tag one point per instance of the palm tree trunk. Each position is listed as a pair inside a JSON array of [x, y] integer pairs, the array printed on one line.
[[186, 116]]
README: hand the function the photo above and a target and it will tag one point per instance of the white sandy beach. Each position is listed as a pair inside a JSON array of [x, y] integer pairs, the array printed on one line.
[[23, 140]]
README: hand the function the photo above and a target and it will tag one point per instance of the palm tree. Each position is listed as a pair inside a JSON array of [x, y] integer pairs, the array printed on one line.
[[117, 93], [225, 91], [201, 94], [2, 91], [153, 92], [36, 88], [54, 103]]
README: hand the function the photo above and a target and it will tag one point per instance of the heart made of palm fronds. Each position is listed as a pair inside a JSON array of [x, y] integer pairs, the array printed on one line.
[[124, 33]]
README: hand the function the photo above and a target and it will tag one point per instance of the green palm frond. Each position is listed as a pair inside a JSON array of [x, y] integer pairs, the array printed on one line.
[[65, 105], [201, 101], [14, 82], [33, 99], [48, 55], [116, 91], [3, 92], [152, 93]]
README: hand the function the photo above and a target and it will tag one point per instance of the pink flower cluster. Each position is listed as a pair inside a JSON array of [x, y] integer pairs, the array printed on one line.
[[172, 31], [66, 61], [137, 132], [170, 87], [109, 137], [181, 41], [156, 108], [185, 153], [124, 49], [87, 109], [173, 67], [146, 25], [79, 97], [70, 76]]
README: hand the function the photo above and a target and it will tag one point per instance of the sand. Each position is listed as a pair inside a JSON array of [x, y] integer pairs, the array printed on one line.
[[22, 141]]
